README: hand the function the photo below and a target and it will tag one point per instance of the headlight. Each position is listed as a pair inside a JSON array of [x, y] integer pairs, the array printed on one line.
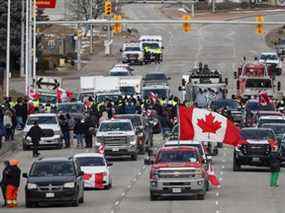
[[131, 138], [133, 143], [69, 185], [57, 132], [32, 186]]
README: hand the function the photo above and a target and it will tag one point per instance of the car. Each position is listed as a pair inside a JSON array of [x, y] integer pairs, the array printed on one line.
[[121, 70], [132, 53], [119, 138], [160, 91], [52, 135], [177, 171], [93, 164], [255, 147], [251, 110], [154, 78], [74, 109], [53, 181], [278, 128], [231, 105], [142, 127], [270, 119]]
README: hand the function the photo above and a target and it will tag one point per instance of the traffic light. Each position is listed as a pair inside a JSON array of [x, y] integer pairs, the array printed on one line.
[[186, 26], [117, 28], [108, 8], [260, 25]]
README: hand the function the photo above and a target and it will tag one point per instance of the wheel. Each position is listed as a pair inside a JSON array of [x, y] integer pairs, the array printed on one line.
[[81, 200], [200, 196], [220, 145], [134, 156], [25, 147], [75, 203], [153, 197], [30, 204], [236, 165], [60, 146], [109, 186]]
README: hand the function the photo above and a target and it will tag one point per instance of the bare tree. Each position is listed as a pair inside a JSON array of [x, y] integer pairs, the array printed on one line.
[[80, 9]]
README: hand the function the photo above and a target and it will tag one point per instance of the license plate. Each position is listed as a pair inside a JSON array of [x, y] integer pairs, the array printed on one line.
[[115, 149], [255, 159], [176, 190], [50, 195]]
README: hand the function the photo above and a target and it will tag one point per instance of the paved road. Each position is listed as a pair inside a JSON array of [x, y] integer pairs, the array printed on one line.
[[246, 191]]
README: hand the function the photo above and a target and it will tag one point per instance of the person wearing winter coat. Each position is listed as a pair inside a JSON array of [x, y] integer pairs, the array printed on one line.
[[12, 181], [4, 181], [8, 124], [274, 160], [65, 130], [35, 133], [78, 131]]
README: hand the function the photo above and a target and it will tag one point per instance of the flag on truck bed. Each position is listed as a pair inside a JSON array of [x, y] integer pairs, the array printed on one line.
[[204, 125]]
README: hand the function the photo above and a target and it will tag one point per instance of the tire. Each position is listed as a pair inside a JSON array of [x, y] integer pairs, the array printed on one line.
[[75, 203], [134, 157], [60, 146], [200, 196], [153, 197], [236, 165], [25, 147], [30, 204], [81, 200], [109, 186]]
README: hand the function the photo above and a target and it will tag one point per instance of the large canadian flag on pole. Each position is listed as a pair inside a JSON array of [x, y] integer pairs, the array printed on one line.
[[204, 125]]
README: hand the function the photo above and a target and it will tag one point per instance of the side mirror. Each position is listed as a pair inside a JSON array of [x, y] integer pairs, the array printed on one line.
[[162, 48], [226, 81], [81, 173], [109, 164], [168, 78], [235, 75], [121, 50], [25, 175]]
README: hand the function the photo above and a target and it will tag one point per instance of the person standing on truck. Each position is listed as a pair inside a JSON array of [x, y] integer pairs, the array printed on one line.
[[274, 160]]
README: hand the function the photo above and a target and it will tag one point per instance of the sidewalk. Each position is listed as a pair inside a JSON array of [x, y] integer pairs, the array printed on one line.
[[8, 147]]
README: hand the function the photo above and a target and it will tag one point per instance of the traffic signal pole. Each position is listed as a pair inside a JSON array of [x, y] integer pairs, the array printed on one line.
[[8, 49]]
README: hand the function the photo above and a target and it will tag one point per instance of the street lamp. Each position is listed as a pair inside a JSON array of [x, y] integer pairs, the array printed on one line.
[[8, 48]]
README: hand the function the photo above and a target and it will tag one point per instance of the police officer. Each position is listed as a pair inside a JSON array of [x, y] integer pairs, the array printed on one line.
[[35, 133]]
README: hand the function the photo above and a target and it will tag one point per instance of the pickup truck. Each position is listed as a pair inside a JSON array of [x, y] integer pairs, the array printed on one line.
[[177, 171], [119, 138]]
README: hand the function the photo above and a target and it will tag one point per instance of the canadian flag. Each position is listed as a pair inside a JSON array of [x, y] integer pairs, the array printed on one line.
[[33, 94], [264, 99], [94, 180], [101, 149], [212, 176], [204, 125]]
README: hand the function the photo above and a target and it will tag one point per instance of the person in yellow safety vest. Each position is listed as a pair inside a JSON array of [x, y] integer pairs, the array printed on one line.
[[147, 54], [157, 54], [36, 103], [162, 101], [48, 108], [12, 103]]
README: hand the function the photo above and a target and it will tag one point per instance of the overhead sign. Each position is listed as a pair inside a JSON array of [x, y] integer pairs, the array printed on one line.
[[46, 3]]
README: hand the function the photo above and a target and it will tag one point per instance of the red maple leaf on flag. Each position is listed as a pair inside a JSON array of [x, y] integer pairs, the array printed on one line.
[[209, 124]]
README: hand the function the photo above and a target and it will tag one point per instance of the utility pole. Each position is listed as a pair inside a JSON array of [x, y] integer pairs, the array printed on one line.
[[22, 66], [213, 6], [78, 47], [8, 49], [27, 49], [34, 39], [30, 61], [91, 27]]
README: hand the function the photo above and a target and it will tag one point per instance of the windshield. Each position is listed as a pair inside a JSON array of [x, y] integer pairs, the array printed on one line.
[[42, 120], [132, 49], [256, 134], [127, 90], [119, 73], [91, 161], [46, 98], [227, 103], [155, 76], [50, 169], [70, 108], [266, 121], [136, 120], [255, 106], [258, 83], [268, 57], [151, 45], [115, 126], [162, 93], [101, 98], [278, 129], [177, 156]]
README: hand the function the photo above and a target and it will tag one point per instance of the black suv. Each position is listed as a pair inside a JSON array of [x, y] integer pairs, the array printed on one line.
[[256, 149], [54, 180]]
